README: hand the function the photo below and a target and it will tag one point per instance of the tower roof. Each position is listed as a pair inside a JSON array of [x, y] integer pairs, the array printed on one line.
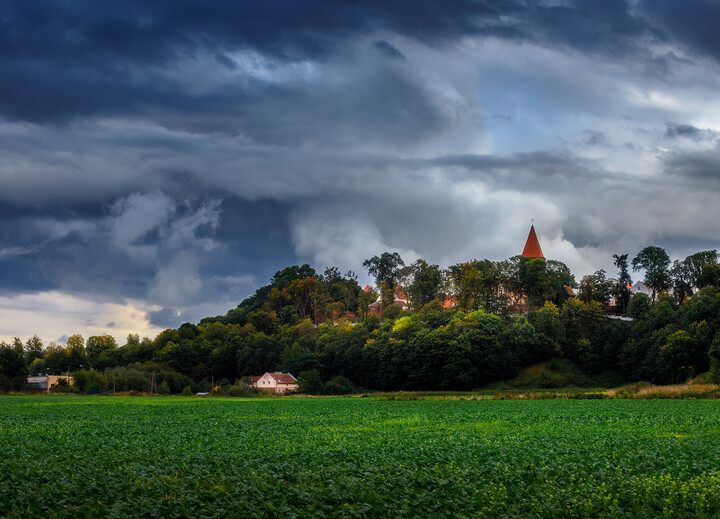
[[532, 246]]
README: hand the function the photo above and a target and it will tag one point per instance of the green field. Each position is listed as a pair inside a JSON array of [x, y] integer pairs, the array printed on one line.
[[194, 457]]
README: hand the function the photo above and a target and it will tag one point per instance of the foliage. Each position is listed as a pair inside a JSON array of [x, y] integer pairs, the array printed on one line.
[[351, 457], [310, 382], [621, 290], [507, 315], [655, 262], [12, 366], [386, 271], [426, 283]]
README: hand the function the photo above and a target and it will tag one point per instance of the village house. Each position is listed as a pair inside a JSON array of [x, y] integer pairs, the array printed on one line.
[[46, 382], [276, 382], [641, 288]]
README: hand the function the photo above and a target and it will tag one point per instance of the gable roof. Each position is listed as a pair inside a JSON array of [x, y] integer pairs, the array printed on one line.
[[283, 378], [532, 246]]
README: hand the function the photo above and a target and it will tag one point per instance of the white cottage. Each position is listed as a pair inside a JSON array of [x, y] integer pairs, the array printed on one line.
[[277, 382]]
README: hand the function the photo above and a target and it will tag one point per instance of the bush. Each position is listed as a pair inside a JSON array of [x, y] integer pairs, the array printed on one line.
[[339, 386], [163, 388], [310, 382], [175, 381], [5, 384], [187, 391], [241, 389]]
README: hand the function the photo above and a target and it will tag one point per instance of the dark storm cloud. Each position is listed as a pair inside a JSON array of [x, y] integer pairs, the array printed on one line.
[[164, 318], [179, 153], [688, 131], [123, 249], [538, 171], [700, 167], [693, 23], [387, 49], [67, 60]]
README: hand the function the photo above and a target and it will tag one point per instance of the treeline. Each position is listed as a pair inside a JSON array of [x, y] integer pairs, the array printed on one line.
[[464, 327]]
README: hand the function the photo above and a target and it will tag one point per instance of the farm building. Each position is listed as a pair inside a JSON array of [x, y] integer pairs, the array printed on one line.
[[277, 382], [46, 382]]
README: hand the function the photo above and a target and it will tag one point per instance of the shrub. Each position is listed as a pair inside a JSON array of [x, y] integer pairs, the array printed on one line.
[[339, 386], [310, 382], [241, 389], [187, 391], [5, 383]]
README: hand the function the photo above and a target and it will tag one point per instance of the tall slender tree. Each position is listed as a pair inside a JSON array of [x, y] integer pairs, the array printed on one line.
[[622, 290]]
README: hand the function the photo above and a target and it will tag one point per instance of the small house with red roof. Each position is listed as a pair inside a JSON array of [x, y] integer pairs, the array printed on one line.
[[276, 382]]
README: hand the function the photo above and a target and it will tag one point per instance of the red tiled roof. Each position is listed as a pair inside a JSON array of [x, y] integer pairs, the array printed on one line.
[[283, 378], [367, 288], [532, 246]]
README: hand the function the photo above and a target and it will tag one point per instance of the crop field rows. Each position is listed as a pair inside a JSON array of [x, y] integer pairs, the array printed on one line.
[[354, 457]]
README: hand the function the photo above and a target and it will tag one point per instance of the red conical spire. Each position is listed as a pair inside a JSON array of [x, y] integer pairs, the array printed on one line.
[[532, 247]]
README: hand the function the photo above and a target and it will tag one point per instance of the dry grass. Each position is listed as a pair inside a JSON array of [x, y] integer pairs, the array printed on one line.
[[679, 389]]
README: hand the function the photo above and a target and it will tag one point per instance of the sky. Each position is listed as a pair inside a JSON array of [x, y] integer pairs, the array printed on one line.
[[160, 160]]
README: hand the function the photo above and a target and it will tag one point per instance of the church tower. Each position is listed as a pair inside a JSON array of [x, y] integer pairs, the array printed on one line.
[[532, 246]]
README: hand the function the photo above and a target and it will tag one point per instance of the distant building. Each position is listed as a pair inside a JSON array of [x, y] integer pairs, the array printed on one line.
[[641, 288], [532, 246], [400, 299], [46, 382], [276, 382]]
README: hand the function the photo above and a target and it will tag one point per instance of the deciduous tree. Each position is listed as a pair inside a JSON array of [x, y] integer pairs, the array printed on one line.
[[655, 262]]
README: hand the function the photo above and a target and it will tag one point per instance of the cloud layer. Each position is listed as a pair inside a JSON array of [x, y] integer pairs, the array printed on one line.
[[169, 157]]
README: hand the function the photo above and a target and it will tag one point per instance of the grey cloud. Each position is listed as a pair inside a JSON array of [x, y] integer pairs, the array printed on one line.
[[389, 50], [181, 153], [698, 166], [674, 130], [693, 23], [164, 318], [137, 58], [594, 138]]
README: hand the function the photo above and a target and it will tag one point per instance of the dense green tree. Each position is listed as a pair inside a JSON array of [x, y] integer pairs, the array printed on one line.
[[677, 358], [34, 349], [386, 271], [709, 276], [595, 287], [714, 357], [100, 351], [621, 290], [75, 353], [703, 306], [695, 263], [480, 285], [655, 262], [338, 386], [310, 382], [426, 283], [692, 273], [639, 306], [303, 293], [548, 323], [12, 364], [534, 281], [582, 322]]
